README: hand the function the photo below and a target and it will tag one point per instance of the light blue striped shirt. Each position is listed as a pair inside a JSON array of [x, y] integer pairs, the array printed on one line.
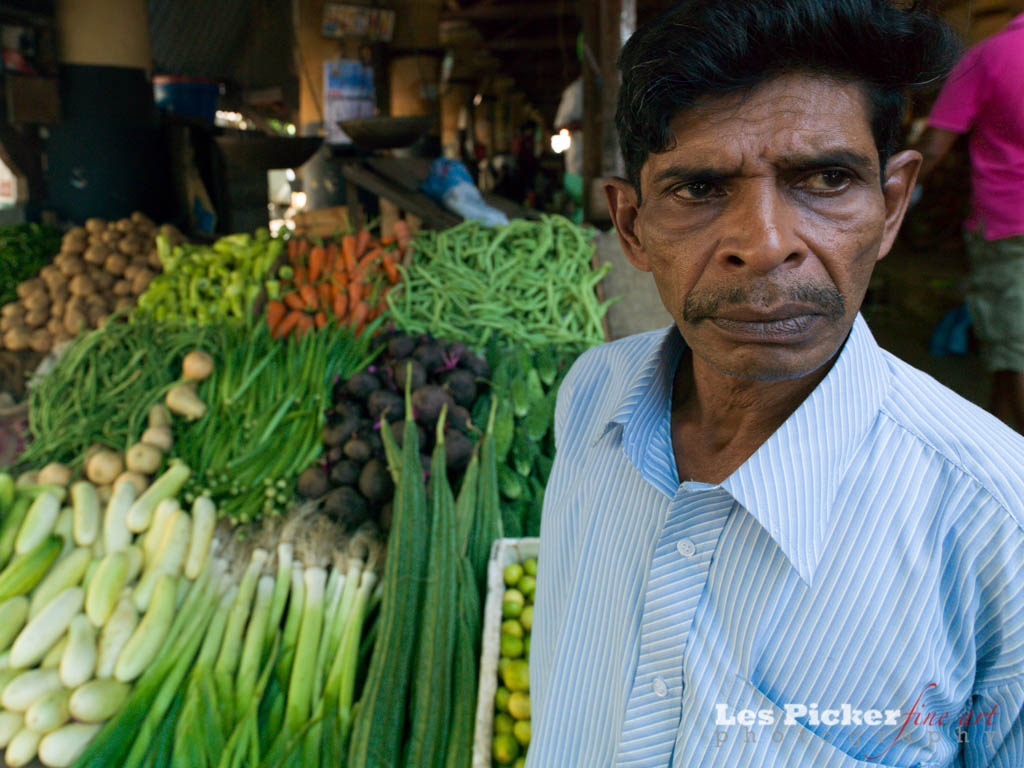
[[852, 595]]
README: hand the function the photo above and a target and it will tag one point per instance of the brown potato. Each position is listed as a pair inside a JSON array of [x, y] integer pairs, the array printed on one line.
[[111, 237], [104, 280], [50, 275], [131, 271], [30, 286], [130, 245], [34, 302], [95, 313], [95, 300], [115, 264], [13, 309], [142, 281], [82, 285], [69, 264], [96, 254], [58, 307], [95, 225], [76, 245], [125, 225], [60, 291], [55, 324], [41, 340], [153, 261], [16, 339], [76, 233], [9, 321], [124, 302], [37, 318], [140, 218], [75, 322], [122, 288], [62, 337]]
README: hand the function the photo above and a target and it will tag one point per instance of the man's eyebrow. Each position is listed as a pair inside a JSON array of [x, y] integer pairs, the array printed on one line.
[[697, 174], [842, 158]]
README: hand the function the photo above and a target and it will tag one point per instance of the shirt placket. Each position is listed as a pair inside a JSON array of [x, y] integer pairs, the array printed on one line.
[[678, 575]]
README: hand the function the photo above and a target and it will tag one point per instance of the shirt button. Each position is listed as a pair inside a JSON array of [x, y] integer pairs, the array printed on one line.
[[660, 689], [686, 547]]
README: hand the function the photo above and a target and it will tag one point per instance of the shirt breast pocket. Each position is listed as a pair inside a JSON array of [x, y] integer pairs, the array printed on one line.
[[782, 739]]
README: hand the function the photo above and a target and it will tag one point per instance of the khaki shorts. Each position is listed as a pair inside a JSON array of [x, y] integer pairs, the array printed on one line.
[[995, 297]]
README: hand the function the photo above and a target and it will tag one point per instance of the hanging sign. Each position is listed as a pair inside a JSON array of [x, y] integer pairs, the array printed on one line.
[[376, 24]]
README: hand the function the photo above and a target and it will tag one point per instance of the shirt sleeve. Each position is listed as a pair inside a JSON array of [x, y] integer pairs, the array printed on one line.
[[995, 736], [962, 96]]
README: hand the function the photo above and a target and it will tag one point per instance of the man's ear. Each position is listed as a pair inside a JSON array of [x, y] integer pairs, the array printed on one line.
[[625, 211], [900, 177]]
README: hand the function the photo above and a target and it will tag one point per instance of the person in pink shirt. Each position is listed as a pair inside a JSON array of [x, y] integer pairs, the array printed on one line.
[[984, 98]]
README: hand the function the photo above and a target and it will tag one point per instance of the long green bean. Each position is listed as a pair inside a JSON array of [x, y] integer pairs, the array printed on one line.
[[530, 282]]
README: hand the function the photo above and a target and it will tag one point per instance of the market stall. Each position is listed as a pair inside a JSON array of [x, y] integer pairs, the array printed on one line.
[[253, 513]]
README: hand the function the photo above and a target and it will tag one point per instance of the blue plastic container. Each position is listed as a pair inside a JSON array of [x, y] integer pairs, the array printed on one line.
[[187, 96]]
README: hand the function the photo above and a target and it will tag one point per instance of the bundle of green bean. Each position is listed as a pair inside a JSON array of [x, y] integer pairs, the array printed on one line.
[[530, 282], [267, 401], [103, 387]]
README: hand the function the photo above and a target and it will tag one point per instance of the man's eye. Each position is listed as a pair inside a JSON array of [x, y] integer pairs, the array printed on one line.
[[697, 190], [827, 180]]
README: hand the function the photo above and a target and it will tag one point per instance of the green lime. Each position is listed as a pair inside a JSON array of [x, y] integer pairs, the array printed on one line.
[[520, 762], [526, 618], [519, 705], [503, 663], [526, 646], [511, 646], [512, 603], [517, 675], [506, 748], [521, 731], [530, 566], [503, 723], [528, 585], [501, 697], [513, 573], [513, 627]]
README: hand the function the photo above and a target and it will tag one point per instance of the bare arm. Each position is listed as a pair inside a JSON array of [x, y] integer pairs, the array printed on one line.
[[933, 146]]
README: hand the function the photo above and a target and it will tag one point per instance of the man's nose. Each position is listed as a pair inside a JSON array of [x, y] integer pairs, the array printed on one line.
[[763, 232]]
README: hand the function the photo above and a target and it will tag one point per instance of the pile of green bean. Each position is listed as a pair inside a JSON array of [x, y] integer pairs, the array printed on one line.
[[530, 283], [102, 388]]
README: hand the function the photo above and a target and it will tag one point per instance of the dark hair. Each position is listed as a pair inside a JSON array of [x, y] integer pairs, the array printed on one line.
[[714, 47]]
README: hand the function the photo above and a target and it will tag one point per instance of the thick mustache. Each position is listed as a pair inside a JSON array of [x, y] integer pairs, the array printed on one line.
[[825, 298]]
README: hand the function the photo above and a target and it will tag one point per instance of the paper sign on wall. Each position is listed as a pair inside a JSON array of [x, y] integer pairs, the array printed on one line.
[[348, 94], [374, 24]]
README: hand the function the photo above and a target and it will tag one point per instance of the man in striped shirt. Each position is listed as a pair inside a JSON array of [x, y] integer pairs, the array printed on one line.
[[766, 542]]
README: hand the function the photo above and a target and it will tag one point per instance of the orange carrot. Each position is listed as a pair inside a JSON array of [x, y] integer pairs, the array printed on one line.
[[275, 313], [333, 252], [362, 242], [293, 250], [387, 240], [320, 319], [359, 316], [300, 278], [294, 301], [317, 256], [366, 263], [308, 294], [305, 324], [290, 322], [339, 279], [325, 292], [355, 293], [348, 252], [340, 305], [402, 233], [390, 268]]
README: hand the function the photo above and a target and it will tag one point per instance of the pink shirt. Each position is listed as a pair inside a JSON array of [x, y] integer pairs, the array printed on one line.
[[985, 97]]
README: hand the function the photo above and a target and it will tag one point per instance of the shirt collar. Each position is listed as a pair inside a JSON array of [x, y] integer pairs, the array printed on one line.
[[1017, 22], [790, 483]]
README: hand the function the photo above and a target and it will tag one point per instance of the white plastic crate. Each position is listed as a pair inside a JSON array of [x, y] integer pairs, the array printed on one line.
[[503, 552]]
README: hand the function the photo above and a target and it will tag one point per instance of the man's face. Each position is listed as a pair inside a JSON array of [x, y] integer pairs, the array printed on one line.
[[762, 223]]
